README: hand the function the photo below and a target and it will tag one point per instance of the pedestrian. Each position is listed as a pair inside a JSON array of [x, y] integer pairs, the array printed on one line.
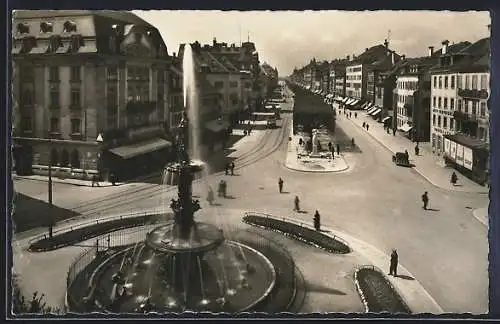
[[393, 269], [112, 178], [280, 185], [232, 168], [367, 126], [417, 150], [210, 196], [301, 141], [226, 169], [454, 178], [425, 200], [394, 132], [364, 124], [350, 114], [330, 146], [355, 115], [353, 143], [317, 221], [224, 189], [296, 202], [220, 190], [245, 132], [407, 155], [338, 149], [95, 180]]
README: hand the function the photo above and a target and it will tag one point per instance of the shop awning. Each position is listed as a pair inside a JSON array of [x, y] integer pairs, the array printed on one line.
[[372, 109], [368, 106], [386, 118], [376, 112], [405, 128], [217, 126], [129, 151], [354, 102]]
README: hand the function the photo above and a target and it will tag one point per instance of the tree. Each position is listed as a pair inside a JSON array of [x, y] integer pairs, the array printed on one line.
[[20, 304]]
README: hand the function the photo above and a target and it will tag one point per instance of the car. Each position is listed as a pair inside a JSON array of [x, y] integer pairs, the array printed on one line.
[[271, 122]]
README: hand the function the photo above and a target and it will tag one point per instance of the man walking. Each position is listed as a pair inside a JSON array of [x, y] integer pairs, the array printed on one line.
[[425, 200], [296, 204], [317, 221], [393, 269], [280, 185], [367, 126], [338, 149], [232, 168]]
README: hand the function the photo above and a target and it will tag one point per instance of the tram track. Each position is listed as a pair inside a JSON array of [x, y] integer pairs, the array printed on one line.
[[269, 144]]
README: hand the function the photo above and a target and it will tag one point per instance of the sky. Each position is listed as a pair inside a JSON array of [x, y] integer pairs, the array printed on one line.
[[288, 39]]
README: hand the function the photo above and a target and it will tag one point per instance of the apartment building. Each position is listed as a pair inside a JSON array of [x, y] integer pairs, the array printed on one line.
[[460, 117], [84, 103]]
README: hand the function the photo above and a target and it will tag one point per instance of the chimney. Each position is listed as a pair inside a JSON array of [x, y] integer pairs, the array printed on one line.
[[386, 44], [215, 41], [403, 57], [445, 43], [348, 57], [431, 50]]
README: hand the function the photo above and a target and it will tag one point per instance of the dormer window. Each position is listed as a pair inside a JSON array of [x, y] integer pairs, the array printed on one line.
[[46, 27], [23, 28], [76, 43], [69, 27]]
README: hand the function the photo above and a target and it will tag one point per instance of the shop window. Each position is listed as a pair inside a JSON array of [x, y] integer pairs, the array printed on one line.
[[64, 158], [483, 109], [75, 159]]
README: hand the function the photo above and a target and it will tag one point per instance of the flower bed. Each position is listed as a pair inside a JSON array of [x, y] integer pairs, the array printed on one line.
[[377, 293], [298, 232], [91, 231]]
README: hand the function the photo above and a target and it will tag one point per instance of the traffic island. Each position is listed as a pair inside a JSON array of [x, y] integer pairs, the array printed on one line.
[[88, 232], [377, 293], [298, 232]]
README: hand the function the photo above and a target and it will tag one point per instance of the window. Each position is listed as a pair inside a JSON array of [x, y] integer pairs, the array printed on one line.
[[75, 126], [452, 82], [467, 82], [440, 82], [46, 27], [435, 82], [27, 124], [445, 122], [112, 73], [484, 82], [459, 81], [433, 102], [482, 110], [445, 103], [54, 73], [446, 82], [439, 121], [54, 125], [439, 102], [75, 73], [54, 98], [27, 98], [219, 84], [459, 108], [233, 84], [452, 104], [474, 107], [466, 107], [434, 120], [75, 97], [69, 26], [474, 82]]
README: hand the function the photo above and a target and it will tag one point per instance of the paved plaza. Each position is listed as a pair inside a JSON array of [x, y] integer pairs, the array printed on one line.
[[374, 205]]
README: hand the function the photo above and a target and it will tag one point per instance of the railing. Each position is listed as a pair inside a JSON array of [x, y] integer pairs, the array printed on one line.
[[85, 223], [473, 93]]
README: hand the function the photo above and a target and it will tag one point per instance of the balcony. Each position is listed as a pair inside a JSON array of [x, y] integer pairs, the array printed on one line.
[[461, 116], [473, 94]]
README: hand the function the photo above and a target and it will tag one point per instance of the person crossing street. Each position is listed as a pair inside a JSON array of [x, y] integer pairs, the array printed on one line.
[[425, 200], [280, 185], [393, 269]]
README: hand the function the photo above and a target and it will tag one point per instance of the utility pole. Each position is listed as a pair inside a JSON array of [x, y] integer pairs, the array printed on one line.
[[51, 219]]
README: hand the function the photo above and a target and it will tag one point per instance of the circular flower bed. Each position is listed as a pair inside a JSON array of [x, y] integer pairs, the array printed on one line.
[[298, 232], [94, 230], [377, 293]]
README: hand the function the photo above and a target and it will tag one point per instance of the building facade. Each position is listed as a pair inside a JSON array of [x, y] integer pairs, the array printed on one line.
[[81, 98]]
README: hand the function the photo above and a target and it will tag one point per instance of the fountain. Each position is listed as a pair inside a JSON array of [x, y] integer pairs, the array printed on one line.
[[184, 264]]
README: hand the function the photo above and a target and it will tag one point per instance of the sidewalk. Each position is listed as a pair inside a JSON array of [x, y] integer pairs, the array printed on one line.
[[429, 166], [481, 215], [74, 182]]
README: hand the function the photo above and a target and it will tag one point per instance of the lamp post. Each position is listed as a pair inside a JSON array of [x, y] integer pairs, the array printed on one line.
[[99, 141], [51, 219]]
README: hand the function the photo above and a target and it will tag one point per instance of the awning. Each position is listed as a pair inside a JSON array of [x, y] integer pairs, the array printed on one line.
[[368, 106], [376, 112], [354, 102], [42, 49], [372, 109], [386, 118], [129, 151], [405, 128], [217, 125]]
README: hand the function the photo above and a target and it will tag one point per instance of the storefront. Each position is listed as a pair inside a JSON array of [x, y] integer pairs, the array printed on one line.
[[215, 135], [468, 156]]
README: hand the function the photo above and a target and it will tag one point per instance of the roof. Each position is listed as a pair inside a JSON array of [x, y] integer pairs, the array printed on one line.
[[124, 16], [474, 57], [372, 54], [468, 141]]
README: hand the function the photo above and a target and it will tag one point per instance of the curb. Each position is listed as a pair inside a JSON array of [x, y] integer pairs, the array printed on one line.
[[483, 221], [311, 171], [417, 170]]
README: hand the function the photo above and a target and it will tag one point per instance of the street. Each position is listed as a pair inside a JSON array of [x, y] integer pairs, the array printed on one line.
[[444, 248]]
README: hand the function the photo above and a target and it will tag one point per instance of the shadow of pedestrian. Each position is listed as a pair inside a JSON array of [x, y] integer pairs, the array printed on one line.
[[313, 287], [302, 211], [285, 192], [405, 277], [230, 197], [433, 209], [216, 204]]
